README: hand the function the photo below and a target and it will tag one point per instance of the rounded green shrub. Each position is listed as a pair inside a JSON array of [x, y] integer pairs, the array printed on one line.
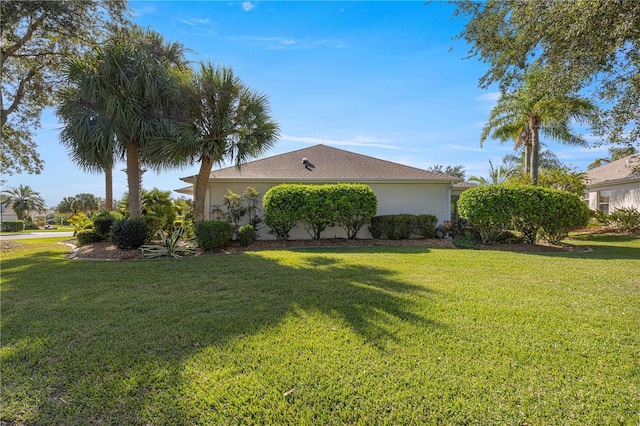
[[354, 206], [102, 224], [246, 234], [88, 236], [532, 210], [213, 234], [392, 226], [425, 225], [283, 205], [129, 233]]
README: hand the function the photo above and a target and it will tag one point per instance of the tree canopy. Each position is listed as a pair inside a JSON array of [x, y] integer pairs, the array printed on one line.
[[586, 44], [37, 37]]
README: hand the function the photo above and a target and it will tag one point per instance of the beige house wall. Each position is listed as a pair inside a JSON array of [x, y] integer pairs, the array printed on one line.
[[393, 198], [624, 195]]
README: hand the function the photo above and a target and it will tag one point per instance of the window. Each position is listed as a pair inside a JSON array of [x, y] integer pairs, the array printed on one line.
[[603, 201], [585, 198]]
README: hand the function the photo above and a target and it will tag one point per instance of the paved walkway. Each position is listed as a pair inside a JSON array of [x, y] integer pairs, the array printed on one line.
[[31, 235]]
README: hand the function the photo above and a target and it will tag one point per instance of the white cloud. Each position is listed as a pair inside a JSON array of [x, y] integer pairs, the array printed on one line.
[[489, 96], [247, 6], [359, 141], [192, 22]]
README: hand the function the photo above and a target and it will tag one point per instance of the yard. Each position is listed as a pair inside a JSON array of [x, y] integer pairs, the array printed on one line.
[[384, 335]]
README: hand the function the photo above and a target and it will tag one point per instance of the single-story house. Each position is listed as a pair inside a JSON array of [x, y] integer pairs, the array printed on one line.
[[399, 188], [614, 185]]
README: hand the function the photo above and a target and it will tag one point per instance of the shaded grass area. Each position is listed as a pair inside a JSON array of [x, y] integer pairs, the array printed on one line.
[[324, 336]]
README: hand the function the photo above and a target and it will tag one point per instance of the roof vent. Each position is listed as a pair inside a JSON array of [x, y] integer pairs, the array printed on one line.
[[307, 164]]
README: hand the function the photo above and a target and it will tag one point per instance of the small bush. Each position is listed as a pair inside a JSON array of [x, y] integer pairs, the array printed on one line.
[[12, 226], [88, 236], [213, 234], [626, 219], [246, 234], [102, 224], [129, 233], [155, 224], [31, 227], [282, 208]]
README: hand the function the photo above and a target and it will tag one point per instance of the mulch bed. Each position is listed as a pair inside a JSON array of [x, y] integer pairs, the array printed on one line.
[[106, 251]]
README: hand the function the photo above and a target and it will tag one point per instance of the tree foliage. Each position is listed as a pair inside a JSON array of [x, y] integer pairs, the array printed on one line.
[[457, 170], [122, 99], [582, 44], [37, 37], [22, 200], [224, 121], [522, 114]]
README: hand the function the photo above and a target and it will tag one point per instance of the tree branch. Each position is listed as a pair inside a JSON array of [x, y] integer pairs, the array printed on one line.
[[18, 96]]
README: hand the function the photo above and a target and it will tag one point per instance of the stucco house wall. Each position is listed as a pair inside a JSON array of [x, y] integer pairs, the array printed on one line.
[[614, 185], [398, 188]]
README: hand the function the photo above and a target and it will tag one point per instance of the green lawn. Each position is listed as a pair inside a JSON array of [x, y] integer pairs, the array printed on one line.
[[323, 336]]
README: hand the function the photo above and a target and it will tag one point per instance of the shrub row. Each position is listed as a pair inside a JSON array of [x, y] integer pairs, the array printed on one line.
[[349, 206], [213, 234], [625, 219], [12, 226], [401, 226], [534, 211]]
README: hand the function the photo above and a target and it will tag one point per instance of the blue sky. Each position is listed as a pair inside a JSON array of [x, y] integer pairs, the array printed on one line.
[[384, 79]]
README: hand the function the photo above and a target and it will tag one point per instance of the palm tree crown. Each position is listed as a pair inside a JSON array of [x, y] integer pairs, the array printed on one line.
[[521, 115], [225, 121], [22, 200]]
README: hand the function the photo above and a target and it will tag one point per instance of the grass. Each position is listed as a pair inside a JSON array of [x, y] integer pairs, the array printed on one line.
[[323, 336]]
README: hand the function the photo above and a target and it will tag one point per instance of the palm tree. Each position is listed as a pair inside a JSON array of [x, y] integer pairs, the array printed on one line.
[[525, 113], [121, 100], [23, 200], [497, 175], [226, 121], [615, 153]]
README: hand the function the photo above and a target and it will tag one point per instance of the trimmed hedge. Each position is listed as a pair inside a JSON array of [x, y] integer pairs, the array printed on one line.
[[213, 234], [349, 206], [401, 226], [534, 211], [12, 226], [88, 236], [129, 233], [102, 224]]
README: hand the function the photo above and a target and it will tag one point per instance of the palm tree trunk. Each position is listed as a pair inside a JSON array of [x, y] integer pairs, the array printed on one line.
[[200, 190], [527, 158], [133, 179], [534, 125], [108, 189]]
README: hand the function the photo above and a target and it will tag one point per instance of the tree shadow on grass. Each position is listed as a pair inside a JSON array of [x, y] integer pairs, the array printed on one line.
[[96, 342]]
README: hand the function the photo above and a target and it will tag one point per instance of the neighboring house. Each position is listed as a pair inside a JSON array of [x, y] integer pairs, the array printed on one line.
[[399, 188], [7, 213], [614, 185]]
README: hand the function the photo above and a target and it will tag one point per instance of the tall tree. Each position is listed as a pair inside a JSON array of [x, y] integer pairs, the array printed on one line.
[[457, 170], [122, 99], [22, 200], [583, 44], [37, 37], [226, 121], [521, 115]]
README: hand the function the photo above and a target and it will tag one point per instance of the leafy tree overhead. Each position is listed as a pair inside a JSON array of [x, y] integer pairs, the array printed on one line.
[[226, 121], [521, 115], [583, 44], [457, 170], [37, 37], [23, 200], [123, 98]]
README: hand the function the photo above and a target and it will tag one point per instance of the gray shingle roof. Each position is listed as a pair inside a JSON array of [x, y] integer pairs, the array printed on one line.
[[325, 163], [615, 172]]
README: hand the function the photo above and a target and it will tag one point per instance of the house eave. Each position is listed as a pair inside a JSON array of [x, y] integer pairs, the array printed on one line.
[[192, 179]]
